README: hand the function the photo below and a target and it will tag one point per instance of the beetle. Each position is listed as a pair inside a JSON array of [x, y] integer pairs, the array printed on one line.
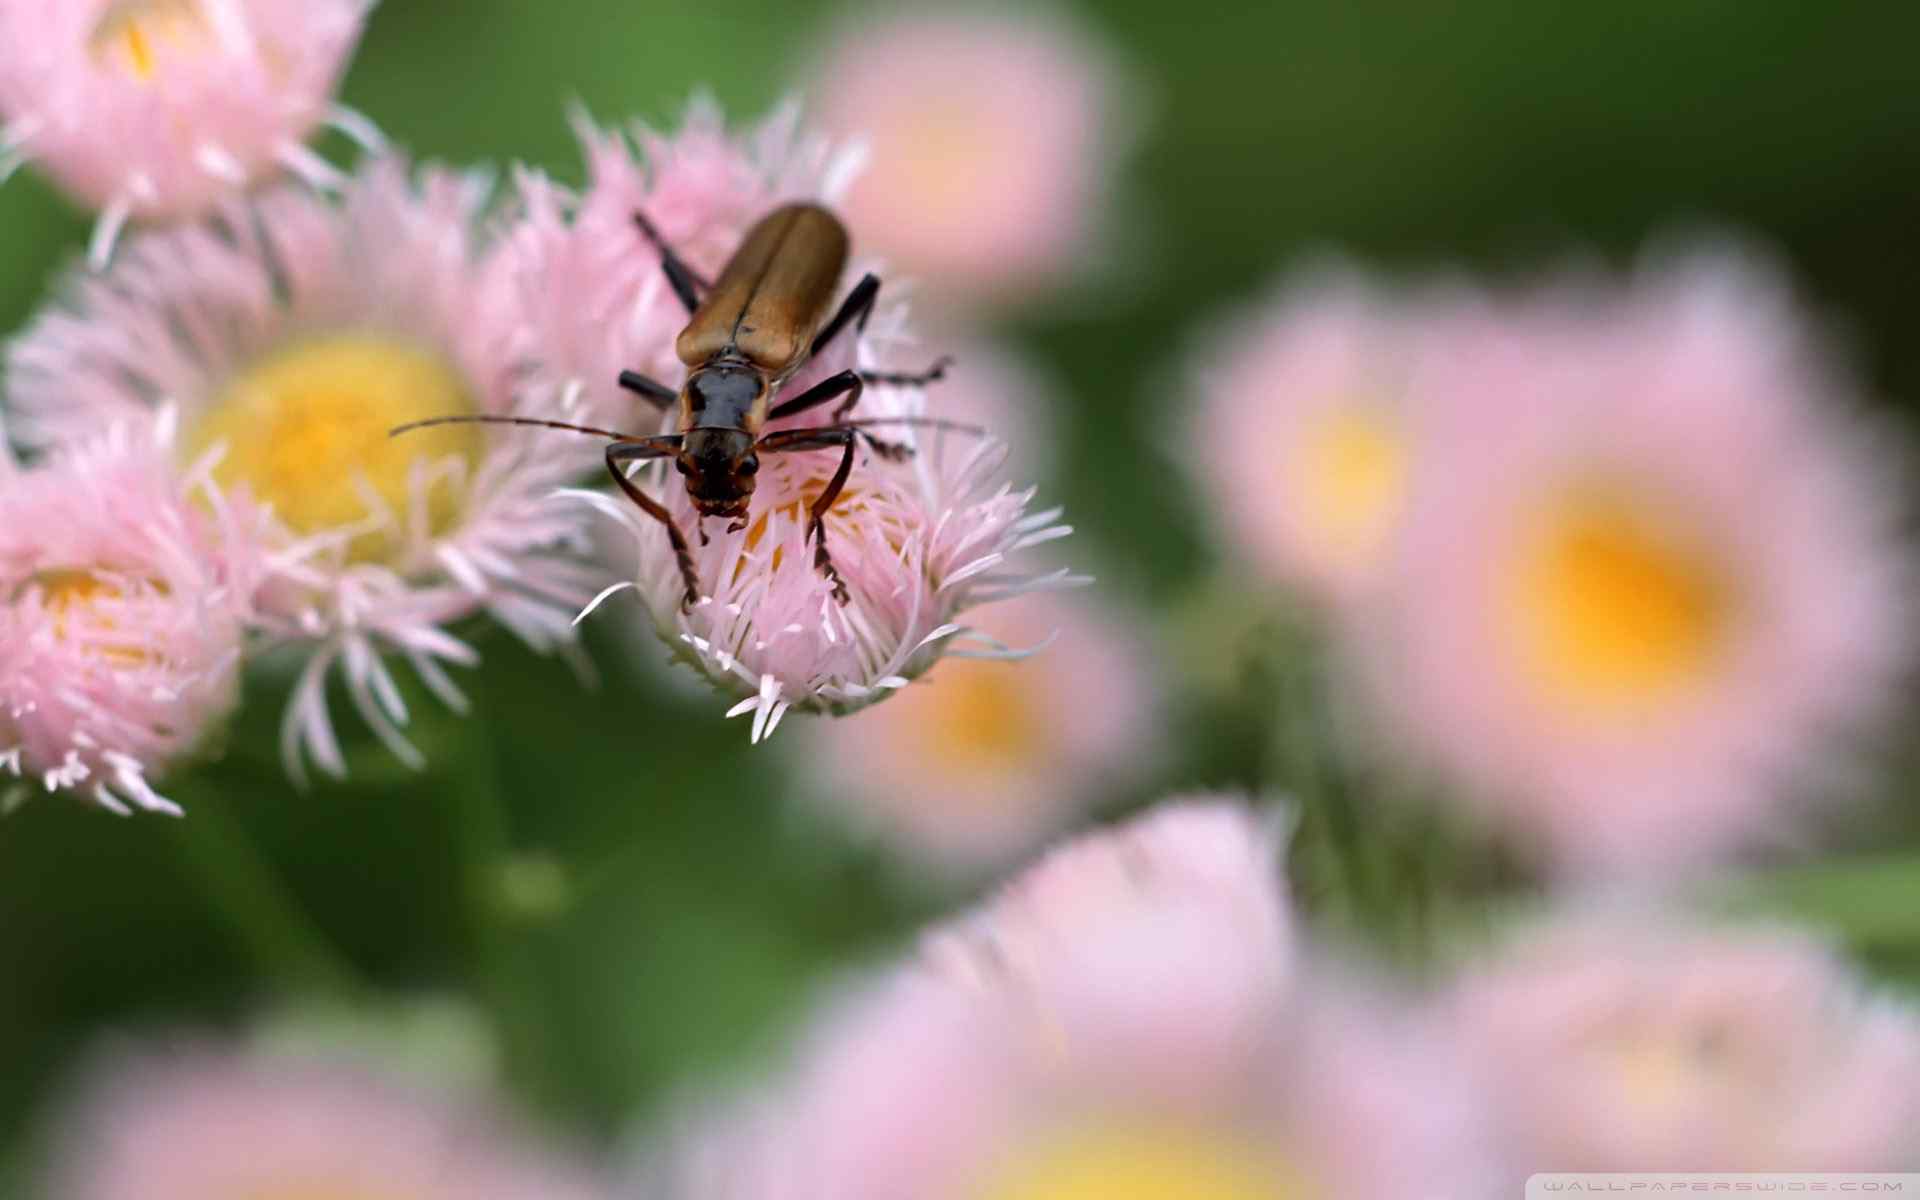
[[748, 332]]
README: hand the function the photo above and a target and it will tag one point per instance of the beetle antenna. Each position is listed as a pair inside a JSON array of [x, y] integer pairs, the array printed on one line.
[[615, 434], [918, 422]]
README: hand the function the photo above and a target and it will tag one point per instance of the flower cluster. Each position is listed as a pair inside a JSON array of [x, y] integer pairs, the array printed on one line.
[[266, 345], [283, 338], [1134, 1016], [1140, 1014], [1617, 556]]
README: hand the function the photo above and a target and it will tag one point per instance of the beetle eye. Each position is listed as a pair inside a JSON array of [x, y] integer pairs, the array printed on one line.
[[680, 465], [748, 465]]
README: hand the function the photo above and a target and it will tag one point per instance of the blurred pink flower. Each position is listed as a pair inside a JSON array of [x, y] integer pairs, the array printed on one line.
[[1126, 1020], [993, 137], [291, 334], [1311, 412], [205, 1122], [159, 108], [126, 590], [997, 387], [1653, 575], [1631, 1040], [983, 757]]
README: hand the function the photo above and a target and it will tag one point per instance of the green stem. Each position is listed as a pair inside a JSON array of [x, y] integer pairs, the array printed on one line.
[[482, 830], [1303, 745], [260, 911]]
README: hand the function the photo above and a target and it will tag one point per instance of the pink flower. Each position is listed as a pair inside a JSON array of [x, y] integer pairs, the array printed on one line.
[[159, 108], [1127, 1019], [1311, 412], [1653, 575], [125, 590], [983, 757], [205, 1122], [292, 333], [993, 138], [917, 543], [1632, 1040]]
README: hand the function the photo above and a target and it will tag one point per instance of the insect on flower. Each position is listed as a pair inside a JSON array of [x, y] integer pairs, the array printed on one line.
[[759, 323]]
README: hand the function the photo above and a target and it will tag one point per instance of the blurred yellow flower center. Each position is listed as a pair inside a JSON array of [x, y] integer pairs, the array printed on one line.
[[1143, 1164], [943, 150], [306, 429], [130, 33], [1612, 611], [1349, 479], [976, 717], [72, 597], [1662, 1071]]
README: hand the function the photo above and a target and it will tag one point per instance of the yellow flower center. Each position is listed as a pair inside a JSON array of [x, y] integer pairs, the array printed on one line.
[[1349, 480], [1143, 1164], [976, 717], [1663, 1071], [73, 599], [307, 430], [130, 33], [850, 507], [1613, 611], [847, 504]]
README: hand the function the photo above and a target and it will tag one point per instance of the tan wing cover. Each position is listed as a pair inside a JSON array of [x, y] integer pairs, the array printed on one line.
[[774, 292]]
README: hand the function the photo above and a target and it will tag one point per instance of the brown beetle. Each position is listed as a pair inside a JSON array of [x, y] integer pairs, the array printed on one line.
[[758, 323]]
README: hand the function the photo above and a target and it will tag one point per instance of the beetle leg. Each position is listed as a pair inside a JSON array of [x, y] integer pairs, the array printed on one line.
[[891, 451], [686, 283], [651, 390], [933, 374], [660, 447], [857, 307], [846, 383], [820, 439]]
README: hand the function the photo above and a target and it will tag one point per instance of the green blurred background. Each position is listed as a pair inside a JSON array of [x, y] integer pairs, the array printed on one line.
[[699, 906]]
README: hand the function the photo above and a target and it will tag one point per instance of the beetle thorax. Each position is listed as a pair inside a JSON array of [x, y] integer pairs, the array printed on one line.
[[726, 395]]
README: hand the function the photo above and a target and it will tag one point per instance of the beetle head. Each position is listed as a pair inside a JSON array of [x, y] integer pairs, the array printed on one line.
[[719, 465]]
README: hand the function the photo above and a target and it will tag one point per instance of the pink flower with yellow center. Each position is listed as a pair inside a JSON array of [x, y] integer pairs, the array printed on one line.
[[1651, 577], [993, 138], [1631, 1039], [1311, 410], [124, 590], [1127, 1020], [995, 749], [917, 542], [290, 334], [208, 1122], [157, 109]]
